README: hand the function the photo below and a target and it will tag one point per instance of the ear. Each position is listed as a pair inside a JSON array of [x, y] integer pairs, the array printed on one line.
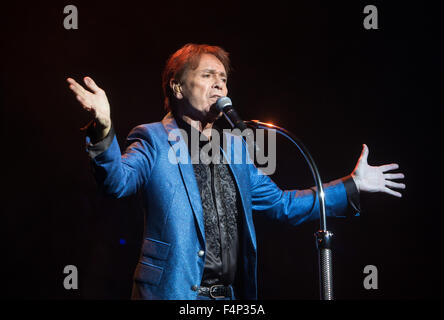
[[177, 90]]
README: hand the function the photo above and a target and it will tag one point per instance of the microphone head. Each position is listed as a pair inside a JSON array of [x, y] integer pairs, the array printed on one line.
[[223, 102]]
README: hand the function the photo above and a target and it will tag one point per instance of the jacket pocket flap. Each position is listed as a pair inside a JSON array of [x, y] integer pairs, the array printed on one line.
[[148, 273], [155, 249]]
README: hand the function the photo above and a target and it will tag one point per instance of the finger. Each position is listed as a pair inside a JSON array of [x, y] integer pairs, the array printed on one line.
[[388, 167], [393, 193], [71, 80], [394, 176], [91, 84], [77, 90], [74, 83], [395, 184], [84, 103]]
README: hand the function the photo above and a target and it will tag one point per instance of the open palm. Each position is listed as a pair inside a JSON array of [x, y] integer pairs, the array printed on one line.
[[94, 101], [376, 178]]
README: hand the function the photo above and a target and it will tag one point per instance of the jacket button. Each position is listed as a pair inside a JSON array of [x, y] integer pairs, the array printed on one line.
[[194, 288], [201, 253]]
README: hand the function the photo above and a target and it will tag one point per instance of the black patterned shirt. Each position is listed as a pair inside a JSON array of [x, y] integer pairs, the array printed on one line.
[[221, 207]]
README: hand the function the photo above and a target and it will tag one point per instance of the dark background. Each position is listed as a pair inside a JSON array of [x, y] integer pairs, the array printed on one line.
[[307, 66]]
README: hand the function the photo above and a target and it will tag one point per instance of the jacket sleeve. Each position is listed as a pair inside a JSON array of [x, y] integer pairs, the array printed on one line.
[[296, 206], [122, 175]]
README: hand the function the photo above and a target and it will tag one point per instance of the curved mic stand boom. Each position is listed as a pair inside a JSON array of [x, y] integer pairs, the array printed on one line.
[[323, 237]]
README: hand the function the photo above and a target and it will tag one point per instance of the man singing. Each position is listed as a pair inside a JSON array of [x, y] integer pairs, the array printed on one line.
[[199, 238]]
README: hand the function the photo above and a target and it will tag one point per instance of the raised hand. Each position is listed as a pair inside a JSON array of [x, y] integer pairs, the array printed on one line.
[[376, 179], [95, 102]]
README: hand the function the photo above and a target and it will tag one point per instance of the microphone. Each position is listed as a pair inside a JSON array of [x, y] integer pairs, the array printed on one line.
[[223, 104]]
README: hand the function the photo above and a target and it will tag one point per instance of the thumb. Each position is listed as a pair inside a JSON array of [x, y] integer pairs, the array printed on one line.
[[364, 153], [91, 84]]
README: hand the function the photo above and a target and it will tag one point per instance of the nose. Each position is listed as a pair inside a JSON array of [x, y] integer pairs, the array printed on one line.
[[218, 83]]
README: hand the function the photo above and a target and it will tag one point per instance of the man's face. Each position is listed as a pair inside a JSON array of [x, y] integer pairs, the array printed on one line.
[[200, 88]]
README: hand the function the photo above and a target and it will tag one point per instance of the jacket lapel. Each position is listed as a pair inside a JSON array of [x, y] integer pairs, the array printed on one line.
[[186, 169]]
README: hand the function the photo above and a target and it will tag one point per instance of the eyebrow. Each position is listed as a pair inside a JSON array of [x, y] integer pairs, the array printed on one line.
[[214, 72]]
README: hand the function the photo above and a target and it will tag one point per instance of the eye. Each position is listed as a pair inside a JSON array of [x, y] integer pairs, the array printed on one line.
[[224, 80], [206, 75]]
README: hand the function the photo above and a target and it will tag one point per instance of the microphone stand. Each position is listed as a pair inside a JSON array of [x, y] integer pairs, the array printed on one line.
[[323, 236]]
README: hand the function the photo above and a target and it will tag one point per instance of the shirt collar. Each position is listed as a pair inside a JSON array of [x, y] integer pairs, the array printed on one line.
[[188, 129]]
